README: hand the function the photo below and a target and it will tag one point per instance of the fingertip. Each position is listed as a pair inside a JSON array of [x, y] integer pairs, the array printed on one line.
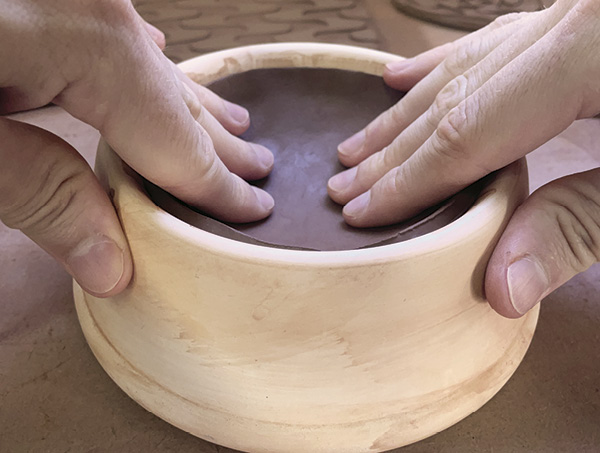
[[400, 75], [234, 118], [127, 274], [403, 74], [397, 68], [126, 277], [355, 211], [338, 185], [333, 194], [346, 160], [239, 116], [100, 266], [265, 158], [496, 290], [123, 282], [402, 81], [265, 201], [251, 166], [157, 36], [515, 282]]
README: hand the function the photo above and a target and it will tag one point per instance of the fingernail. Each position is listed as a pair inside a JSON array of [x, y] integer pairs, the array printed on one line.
[[399, 66], [237, 112], [342, 181], [266, 200], [352, 145], [527, 283], [97, 263], [264, 156], [357, 206]]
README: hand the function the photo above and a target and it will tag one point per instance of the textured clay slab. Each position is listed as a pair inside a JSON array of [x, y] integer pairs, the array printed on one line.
[[302, 114]]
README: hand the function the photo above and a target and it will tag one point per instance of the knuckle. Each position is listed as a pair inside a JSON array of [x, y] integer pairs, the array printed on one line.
[[389, 120], [469, 52], [451, 95], [363, 172], [374, 167], [198, 111], [451, 135], [464, 56], [213, 102], [576, 211], [191, 167], [203, 164], [506, 19], [396, 114], [371, 133], [395, 182], [388, 157], [206, 158], [49, 206]]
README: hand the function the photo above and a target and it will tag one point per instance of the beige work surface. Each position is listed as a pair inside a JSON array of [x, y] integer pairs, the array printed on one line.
[[54, 397]]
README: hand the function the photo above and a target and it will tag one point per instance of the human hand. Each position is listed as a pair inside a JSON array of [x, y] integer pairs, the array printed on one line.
[[474, 106], [102, 63]]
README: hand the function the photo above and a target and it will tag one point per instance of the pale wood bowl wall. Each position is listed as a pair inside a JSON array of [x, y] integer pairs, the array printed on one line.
[[272, 350]]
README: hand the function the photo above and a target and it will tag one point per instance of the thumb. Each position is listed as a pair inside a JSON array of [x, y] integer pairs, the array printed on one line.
[[48, 191], [551, 238]]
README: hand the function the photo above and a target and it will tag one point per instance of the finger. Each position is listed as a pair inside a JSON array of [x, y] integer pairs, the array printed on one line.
[[354, 181], [247, 160], [457, 58], [405, 74], [473, 65], [217, 191], [250, 161], [233, 117], [157, 36], [50, 193], [552, 237], [146, 120], [470, 141]]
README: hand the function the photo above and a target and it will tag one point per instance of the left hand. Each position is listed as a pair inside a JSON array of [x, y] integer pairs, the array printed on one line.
[[102, 63], [474, 106]]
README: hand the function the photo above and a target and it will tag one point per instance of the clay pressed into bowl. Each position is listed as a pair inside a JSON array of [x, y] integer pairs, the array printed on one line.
[[301, 114], [278, 350]]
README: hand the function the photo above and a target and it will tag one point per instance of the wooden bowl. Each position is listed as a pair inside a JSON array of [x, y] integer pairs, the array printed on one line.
[[273, 350]]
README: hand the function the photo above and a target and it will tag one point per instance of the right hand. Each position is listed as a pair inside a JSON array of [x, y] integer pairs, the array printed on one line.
[[472, 107], [103, 64]]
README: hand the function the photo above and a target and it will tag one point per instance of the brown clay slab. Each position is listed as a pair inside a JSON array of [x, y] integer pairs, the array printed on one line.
[[302, 114]]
